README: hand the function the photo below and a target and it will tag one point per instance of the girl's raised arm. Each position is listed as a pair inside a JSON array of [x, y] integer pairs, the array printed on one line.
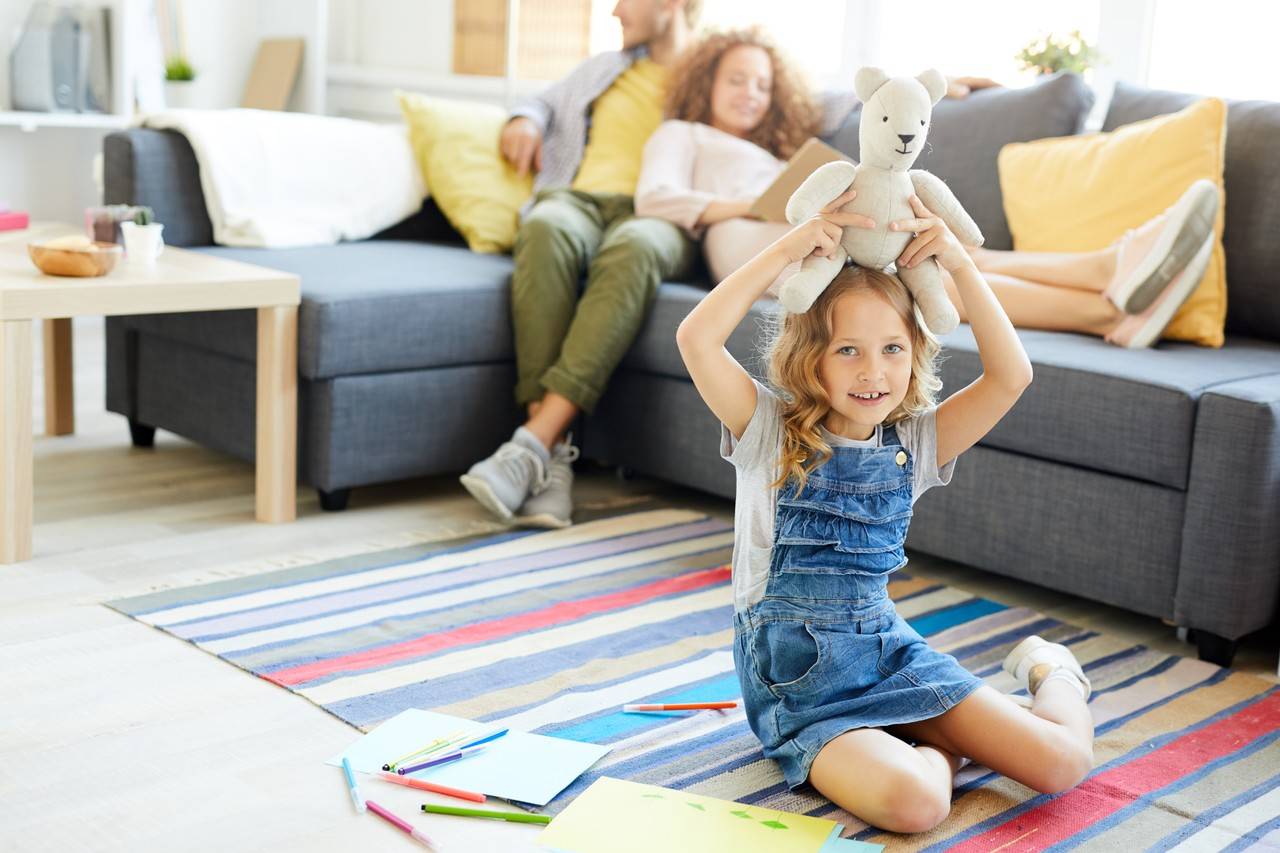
[[970, 413], [725, 386]]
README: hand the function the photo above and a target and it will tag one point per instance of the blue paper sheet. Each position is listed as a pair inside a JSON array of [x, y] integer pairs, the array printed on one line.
[[519, 766]]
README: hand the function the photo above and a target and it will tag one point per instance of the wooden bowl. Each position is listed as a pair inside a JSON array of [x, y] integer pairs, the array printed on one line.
[[92, 260]]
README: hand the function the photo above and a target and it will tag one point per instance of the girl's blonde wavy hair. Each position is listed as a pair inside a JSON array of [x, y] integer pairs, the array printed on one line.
[[792, 116], [796, 347]]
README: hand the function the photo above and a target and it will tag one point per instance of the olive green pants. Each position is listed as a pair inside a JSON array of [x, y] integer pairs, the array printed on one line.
[[569, 340]]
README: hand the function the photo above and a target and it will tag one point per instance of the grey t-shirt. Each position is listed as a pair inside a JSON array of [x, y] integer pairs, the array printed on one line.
[[755, 456]]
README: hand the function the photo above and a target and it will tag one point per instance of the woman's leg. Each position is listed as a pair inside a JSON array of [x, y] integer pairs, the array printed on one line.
[[1090, 271], [1031, 305], [885, 781], [1049, 749]]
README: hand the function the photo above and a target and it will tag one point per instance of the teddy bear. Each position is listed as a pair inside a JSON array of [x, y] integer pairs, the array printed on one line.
[[891, 134]]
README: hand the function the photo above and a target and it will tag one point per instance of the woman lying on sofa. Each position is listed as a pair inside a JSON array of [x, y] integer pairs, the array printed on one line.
[[738, 110]]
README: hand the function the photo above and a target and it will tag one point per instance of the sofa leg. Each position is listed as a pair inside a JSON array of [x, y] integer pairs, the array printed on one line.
[[141, 435], [1214, 648], [335, 501]]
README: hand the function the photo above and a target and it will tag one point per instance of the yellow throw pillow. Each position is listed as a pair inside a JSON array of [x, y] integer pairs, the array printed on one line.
[[456, 146], [1080, 193]]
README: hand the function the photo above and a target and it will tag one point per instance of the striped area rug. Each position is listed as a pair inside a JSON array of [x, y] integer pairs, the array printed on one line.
[[552, 631]]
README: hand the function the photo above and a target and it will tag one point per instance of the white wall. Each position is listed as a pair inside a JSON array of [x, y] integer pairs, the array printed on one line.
[[49, 172]]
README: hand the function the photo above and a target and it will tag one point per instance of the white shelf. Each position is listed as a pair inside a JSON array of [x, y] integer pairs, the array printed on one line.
[[31, 121]]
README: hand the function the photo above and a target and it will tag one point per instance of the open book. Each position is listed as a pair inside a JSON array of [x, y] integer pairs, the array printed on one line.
[[771, 206]]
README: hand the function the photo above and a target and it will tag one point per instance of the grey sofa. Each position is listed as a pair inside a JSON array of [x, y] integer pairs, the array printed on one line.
[[1148, 480]]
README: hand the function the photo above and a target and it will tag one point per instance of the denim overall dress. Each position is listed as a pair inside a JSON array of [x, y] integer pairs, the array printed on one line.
[[824, 651]]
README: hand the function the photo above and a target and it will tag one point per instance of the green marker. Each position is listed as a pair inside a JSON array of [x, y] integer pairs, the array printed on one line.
[[517, 817]]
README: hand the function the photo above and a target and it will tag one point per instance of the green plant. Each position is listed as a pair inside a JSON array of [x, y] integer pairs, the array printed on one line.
[[1051, 54], [178, 69], [144, 216]]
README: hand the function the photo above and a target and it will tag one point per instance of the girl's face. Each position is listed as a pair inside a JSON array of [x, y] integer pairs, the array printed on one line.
[[866, 368], [742, 90]]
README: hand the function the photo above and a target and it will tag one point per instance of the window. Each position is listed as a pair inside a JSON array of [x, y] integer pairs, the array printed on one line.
[[975, 39], [1225, 50]]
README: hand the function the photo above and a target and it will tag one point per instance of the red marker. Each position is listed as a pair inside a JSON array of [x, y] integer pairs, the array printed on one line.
[[683, 706]]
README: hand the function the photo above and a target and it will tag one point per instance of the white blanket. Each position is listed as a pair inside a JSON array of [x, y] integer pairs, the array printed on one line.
[[276, 180]]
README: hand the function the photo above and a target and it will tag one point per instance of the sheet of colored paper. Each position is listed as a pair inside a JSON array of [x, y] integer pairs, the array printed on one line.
[[519, 766], [615, 816]]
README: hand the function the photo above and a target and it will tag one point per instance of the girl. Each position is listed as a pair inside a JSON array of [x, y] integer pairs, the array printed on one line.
[[737, 110], [841, 691]]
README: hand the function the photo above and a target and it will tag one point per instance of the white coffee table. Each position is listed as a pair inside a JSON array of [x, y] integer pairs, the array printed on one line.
[[179, 281]]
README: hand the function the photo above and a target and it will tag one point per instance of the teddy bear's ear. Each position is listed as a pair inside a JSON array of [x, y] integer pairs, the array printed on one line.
[[934, 83], [867, 81]]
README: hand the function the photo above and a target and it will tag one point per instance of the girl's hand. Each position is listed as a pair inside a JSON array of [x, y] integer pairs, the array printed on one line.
[[821, 234], [933, 239]]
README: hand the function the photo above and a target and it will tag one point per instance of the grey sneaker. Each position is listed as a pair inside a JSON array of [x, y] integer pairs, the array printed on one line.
[[505, 480], [553, 506]]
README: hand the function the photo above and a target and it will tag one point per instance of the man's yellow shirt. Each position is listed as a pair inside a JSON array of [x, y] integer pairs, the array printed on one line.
[[622, 120]]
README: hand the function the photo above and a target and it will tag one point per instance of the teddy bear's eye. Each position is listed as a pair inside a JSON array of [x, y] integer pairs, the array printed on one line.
[[886, 118]]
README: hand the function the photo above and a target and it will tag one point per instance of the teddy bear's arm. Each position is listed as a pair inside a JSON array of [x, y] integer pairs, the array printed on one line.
[[819, 189], [937, 196]]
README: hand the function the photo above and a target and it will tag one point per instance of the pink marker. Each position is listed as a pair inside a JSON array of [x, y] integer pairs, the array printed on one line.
[[402, 825]]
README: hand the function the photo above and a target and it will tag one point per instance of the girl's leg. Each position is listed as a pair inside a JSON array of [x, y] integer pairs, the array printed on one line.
[[1031, 305], [1091, 271], [885, 781], [1049, 749]]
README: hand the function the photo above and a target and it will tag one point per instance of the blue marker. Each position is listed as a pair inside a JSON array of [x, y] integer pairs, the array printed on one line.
[[356, 799], [485, 739]]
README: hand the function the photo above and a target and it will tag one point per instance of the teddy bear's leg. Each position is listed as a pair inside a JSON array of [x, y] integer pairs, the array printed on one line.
[[799, 292], [925, 283]]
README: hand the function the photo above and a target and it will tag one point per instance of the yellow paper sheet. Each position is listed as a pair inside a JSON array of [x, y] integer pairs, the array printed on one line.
[[614, 816]]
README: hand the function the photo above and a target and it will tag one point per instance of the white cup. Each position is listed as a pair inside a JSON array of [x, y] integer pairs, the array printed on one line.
[[142, 243]]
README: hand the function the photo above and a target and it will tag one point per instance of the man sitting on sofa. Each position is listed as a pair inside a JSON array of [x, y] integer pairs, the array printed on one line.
[[585, 137]]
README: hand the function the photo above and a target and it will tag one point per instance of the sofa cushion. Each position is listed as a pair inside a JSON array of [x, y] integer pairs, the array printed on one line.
[[1252, 178], [1125, 412], [968, 133], [1128, 412], [370, 307]]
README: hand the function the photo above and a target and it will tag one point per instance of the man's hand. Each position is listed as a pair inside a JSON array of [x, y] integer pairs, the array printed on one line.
[[960, 87], [521, 144]]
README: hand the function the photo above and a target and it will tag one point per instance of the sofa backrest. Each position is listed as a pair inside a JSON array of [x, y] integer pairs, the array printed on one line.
[[158, 168], [968, 133], [1252, 178]]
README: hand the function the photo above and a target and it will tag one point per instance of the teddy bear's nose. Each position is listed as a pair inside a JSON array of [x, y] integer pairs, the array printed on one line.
[[906, 137]]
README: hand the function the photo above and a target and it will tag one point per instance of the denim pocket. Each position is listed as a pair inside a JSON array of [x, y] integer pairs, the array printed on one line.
[[788, 655]]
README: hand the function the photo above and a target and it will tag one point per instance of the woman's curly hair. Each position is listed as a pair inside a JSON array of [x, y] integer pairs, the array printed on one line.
[[792, 117]]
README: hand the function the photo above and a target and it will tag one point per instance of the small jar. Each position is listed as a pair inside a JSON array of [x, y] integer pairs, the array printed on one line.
[[102, 224]]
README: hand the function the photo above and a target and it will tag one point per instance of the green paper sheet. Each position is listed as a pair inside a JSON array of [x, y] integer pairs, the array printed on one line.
[[615, 816]]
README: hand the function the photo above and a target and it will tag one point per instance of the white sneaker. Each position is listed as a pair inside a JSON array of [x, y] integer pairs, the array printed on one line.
[[1142, 330], [1150, 256], [1035, 660], [553, 506], [504, 481]]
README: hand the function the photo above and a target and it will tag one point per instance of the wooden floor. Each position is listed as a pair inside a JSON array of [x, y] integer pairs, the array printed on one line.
[[114, 736]]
